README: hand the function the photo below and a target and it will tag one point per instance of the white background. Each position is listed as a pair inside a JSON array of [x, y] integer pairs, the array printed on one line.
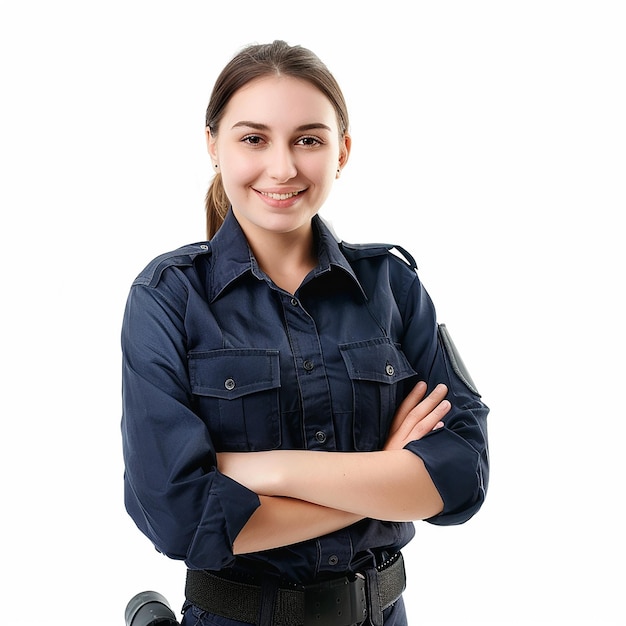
[[489, 140]]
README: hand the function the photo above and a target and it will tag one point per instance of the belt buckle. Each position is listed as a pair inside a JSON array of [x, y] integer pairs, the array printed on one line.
[[338, 602]]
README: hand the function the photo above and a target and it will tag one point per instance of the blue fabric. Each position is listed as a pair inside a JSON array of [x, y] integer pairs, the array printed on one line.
[[218, 358]]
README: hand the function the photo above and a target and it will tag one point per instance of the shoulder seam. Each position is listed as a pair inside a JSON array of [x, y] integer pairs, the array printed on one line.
[[390, 248], [183, 256]]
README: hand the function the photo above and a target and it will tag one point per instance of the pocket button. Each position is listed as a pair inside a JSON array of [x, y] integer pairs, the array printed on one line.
[[320, 436]]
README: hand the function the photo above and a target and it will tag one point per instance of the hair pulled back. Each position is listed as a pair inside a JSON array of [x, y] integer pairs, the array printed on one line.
[[258, 61]]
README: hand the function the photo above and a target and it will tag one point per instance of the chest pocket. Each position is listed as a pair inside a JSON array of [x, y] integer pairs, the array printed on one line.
[[237, 393], [375, 368]]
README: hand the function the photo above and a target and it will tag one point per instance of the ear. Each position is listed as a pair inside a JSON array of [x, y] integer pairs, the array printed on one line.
[[344, 151], [210, 144]]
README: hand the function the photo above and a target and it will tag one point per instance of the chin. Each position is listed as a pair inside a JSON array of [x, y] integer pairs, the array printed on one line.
[[279, 222]]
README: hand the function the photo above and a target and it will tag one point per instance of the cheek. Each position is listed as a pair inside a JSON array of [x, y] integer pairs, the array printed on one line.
[[331, 171], [237, 172], [322, 170]]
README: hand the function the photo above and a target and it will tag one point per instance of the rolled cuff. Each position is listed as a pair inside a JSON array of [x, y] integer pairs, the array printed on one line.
[[458, 471], [229, 506]]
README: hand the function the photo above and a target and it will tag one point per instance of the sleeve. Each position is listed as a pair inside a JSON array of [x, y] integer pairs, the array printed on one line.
[[455, 456], [172, 488]]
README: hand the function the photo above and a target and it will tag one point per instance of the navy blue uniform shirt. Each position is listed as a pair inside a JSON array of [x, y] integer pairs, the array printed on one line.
[[218, 358]]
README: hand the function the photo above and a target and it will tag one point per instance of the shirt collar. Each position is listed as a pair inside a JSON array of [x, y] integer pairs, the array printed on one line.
[[232, 257]]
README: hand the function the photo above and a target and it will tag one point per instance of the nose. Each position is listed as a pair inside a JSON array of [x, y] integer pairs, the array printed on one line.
[[281, 164]]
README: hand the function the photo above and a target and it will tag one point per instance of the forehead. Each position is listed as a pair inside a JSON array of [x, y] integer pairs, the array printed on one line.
[[279, 100]]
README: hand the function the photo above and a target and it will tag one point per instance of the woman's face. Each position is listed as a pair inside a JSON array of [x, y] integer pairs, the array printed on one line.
[[279, 151]]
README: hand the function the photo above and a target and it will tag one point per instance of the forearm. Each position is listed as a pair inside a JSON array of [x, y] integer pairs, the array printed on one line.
[[388, 485], [391, 485], [284, 521]]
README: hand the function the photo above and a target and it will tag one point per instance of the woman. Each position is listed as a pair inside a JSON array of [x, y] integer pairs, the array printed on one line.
[[291, 404]]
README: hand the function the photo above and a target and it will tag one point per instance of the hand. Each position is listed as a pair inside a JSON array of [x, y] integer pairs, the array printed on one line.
[[417, 415]]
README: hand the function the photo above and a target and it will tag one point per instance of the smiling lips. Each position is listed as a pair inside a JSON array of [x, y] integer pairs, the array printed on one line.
[[280, 196]]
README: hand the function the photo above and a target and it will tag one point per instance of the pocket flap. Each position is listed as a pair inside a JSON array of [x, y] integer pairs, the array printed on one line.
[[377, 360], [232, 373]]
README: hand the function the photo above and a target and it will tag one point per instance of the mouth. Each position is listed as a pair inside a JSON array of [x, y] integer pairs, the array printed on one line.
[[281, 196]]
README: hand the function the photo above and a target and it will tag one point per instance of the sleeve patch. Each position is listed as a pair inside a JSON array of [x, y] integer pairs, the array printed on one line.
[[455, 359]]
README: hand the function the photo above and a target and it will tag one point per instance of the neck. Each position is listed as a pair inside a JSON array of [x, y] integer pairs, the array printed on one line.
[[286, 258]]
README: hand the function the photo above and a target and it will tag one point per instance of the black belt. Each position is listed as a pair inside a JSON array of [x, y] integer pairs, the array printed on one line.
[[338, 602]]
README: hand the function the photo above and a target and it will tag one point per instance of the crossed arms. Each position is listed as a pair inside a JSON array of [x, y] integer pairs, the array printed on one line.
[[305, 494]]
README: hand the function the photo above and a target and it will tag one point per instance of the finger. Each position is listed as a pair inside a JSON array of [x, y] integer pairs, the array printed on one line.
[[413, 398], [429, 403], [417, 424], [423, 408], [418, 411], [440, 411], [430, 422]]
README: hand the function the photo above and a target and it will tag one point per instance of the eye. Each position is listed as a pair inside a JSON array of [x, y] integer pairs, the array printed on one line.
[[310, 141], [252, 140]]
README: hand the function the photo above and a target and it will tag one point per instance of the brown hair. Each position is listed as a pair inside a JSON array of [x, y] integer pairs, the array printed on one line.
[[257, 61]]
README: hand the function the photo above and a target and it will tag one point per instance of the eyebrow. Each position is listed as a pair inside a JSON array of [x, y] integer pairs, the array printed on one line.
[[304, 127]]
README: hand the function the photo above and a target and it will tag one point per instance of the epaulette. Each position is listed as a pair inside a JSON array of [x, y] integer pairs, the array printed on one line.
[[181, 257], [364, 250]]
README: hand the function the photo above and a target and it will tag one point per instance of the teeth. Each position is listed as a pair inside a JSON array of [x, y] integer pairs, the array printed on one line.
[[280, 196]]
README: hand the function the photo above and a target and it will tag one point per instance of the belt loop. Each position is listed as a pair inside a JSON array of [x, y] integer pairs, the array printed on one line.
[[374, 609], [269, 592]]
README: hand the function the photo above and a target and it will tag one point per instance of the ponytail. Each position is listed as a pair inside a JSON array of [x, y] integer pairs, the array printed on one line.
[[217, 204]]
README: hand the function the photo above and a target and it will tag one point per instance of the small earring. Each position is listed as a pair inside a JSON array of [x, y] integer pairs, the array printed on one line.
[[216, 165]]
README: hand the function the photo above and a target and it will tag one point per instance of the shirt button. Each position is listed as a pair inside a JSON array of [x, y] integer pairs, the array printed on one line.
[[320, 436], [333, 559], [308, 365], [229, 383], [294, 301], [389, 370]]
